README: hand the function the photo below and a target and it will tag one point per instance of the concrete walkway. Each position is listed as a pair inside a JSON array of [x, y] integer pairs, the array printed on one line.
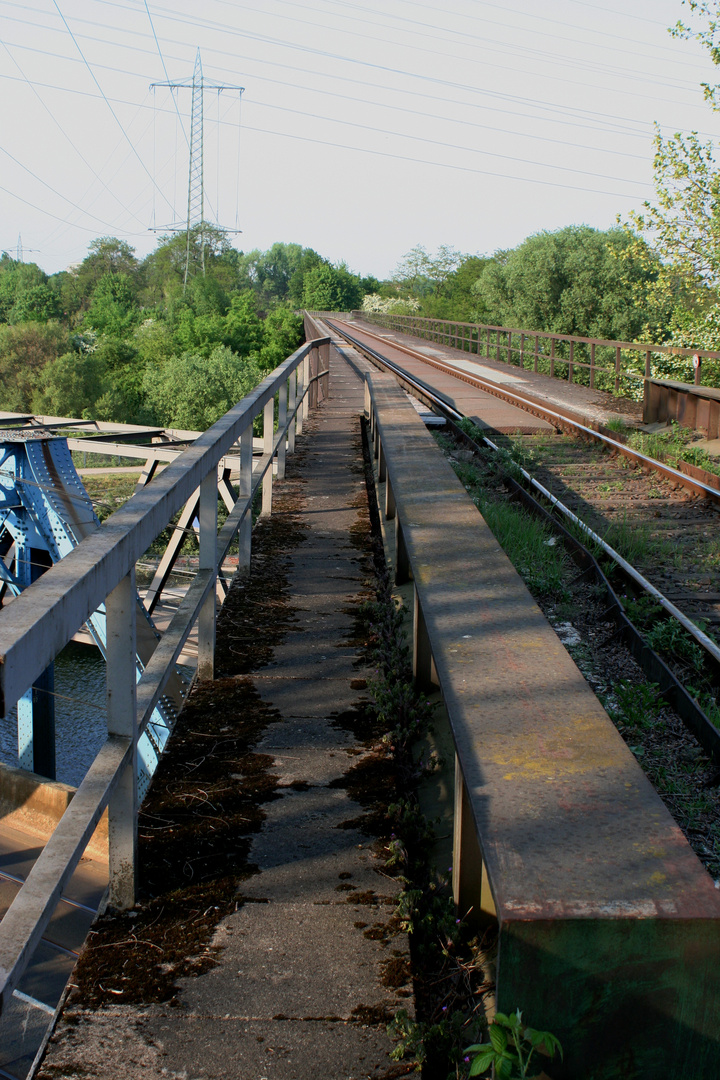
[[297, 991]]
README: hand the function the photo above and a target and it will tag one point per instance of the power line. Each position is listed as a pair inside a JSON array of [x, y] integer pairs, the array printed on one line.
[[584, 116], [454, 146], [105, 99], [61, 128], [483, 39], [266, 39], [52, 189], [444, 165], [162, 61], [278, 42]]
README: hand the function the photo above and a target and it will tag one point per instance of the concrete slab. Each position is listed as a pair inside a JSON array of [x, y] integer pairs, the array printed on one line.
[[278, 1050], [303, 977], [306, 697]]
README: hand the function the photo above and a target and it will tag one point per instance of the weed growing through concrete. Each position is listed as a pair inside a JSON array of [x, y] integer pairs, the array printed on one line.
[[511, 1048]]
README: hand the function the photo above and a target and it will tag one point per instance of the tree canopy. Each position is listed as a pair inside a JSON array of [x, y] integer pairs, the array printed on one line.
[[118, 338], [578, 280]]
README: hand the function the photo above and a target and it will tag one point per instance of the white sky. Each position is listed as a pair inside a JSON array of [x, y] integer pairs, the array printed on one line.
[[365, 128]]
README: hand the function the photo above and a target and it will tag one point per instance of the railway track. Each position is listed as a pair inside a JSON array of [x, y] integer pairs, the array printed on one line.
[[653, 541], [661, 520]]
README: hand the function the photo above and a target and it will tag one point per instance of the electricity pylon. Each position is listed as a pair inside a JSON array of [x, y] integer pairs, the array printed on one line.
[[196, 184]]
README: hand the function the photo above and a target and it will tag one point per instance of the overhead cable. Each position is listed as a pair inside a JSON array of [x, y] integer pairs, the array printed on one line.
[[107, 102]]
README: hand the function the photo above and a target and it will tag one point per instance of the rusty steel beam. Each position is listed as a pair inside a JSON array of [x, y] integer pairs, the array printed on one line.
[[608, 924]]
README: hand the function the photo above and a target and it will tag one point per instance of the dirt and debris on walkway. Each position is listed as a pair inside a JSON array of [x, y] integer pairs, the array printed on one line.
[[264, 943]]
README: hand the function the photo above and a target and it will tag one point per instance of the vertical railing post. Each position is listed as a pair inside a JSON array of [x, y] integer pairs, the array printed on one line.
[[121, 676], [570, 365], [552, 358], [282, 421], [306, 384], [497, 346], [647, 364], [487, 343], [522, 351], [325, 368], [244, 493], [509, 346], [390, 508], [292, 398], [470, 891], [537, 351], [381, 466], [268, 439], [617, 368], [697, 365], [313, 395], [423, 667], [402, 562], [299, 416], [207, 514], [592, 366]]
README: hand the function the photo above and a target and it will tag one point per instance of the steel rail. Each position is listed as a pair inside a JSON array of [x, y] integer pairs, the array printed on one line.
[[439, 402]]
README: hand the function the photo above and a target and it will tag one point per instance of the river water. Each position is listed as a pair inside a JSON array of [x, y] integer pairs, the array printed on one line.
[[80, 716]]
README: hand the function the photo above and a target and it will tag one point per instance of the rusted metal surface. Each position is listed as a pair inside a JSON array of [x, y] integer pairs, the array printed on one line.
[[560, 418], [459, 334], [609, 926], [691, 406]]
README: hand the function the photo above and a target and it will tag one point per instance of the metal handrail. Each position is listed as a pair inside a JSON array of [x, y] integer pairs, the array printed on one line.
[[475, 337], [41, 620]]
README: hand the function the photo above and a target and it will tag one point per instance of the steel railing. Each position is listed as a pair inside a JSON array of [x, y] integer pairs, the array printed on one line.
[[101, 569], [602, 364]]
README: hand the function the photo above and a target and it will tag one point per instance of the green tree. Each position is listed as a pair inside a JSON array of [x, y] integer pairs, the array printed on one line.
[[243, 330], [577, 280], [164, 268], [421, 273], [113, 309], [25, 349], [122, 370], [456, 298], [38, 303], [25, 295], [70, 385], [707, 33], [283, 334], [332, 288], [270, 273], [308, 261], [191, 392], [321, 289], [683, 227], [107, 258]]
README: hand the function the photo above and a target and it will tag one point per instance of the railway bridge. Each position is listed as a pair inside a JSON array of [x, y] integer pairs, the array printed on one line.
[[249, 834]]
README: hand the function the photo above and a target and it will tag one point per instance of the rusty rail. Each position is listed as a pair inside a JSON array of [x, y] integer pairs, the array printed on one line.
[[503, 343]]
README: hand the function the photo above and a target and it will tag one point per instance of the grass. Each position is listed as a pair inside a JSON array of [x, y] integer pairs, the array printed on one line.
[[638, 712], [635, 542], [530, 545], [673, 446]]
